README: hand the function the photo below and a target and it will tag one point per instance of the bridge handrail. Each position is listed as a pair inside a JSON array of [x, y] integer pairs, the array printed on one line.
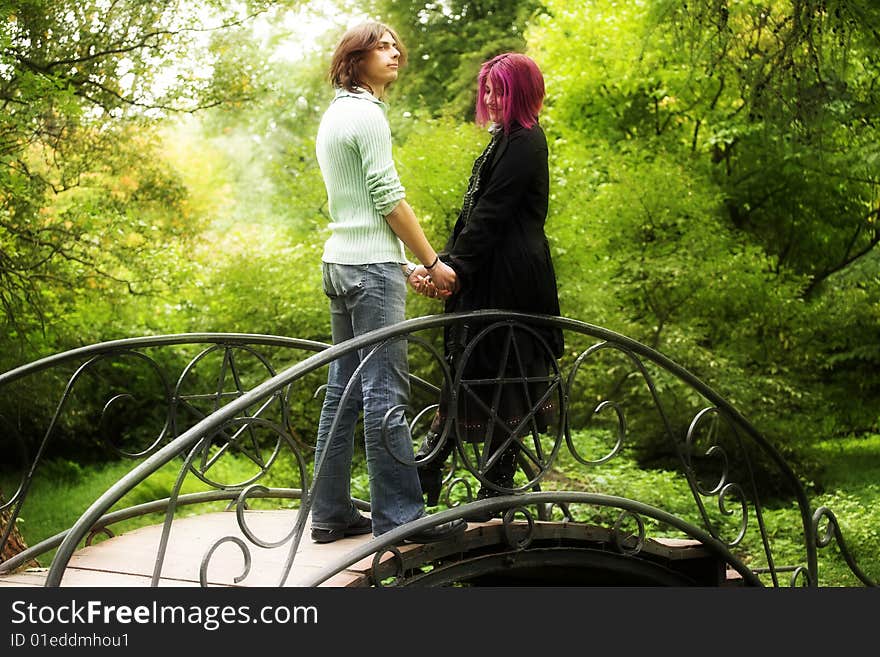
[[80, 353], [143, 509], [326, 354], [386, 542]]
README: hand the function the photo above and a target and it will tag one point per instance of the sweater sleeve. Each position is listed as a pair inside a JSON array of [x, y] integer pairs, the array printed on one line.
[[505, 192], [372, 138]]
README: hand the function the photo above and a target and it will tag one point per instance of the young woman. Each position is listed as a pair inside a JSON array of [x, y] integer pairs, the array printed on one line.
[[501, 258]]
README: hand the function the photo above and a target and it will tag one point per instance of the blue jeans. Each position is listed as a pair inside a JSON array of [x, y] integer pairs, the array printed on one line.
[[364, 298]]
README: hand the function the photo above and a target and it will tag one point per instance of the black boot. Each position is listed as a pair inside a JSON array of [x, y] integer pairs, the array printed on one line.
[[500, 474], [431, 472]]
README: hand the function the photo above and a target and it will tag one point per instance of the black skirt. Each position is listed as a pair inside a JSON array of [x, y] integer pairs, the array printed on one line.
[[501, 379]]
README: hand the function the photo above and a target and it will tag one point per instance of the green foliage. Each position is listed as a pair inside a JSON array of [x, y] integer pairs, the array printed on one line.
[[447, 42], [706, 164], [88, 206], [435, 186]]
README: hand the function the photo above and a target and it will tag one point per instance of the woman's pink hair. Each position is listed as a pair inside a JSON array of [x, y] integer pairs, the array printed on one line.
[[518, 80]]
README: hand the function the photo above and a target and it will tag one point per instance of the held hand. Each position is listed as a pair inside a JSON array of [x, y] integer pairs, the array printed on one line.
[[421, 282], [417, 279], [443, 277]]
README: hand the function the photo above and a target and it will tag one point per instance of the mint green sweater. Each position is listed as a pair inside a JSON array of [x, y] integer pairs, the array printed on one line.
[[354, 152]]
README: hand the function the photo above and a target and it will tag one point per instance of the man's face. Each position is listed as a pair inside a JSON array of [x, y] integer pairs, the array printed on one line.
[[379, 67]]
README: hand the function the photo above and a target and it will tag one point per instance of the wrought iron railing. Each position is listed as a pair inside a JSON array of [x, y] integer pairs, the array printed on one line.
[[260, 411]]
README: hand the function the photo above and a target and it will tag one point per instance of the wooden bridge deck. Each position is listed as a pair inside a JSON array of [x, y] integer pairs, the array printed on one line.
[[128, 560]]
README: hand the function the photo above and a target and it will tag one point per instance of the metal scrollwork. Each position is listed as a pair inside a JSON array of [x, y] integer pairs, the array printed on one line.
[[511, 530], [832, 532], [799, 574], [603, 405], [97, 531], [722, 488], [241, 507], [714, 451], [228, 378], [724, 493], [295, 532], [458, 482], [522, 434], [230, 399], [396, 556], [245, 552], [621, 540]]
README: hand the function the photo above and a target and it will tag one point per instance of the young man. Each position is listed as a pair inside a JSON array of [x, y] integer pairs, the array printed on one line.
[[364, 276]]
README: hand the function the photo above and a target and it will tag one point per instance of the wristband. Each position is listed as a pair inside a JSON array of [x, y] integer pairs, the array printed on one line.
[[409, 269], [433, 264]]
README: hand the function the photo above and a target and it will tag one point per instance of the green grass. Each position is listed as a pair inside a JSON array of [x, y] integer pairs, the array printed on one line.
[[850, 488], [852, 492]]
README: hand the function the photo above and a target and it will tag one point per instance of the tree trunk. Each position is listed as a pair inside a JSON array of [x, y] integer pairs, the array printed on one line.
[[15, 543]]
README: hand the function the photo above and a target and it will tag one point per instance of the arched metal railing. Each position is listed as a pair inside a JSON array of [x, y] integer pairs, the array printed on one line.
[[717, 445], [182, 394]]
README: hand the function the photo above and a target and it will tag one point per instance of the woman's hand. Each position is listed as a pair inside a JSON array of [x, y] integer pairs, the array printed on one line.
[[422, 282], [443, 277]]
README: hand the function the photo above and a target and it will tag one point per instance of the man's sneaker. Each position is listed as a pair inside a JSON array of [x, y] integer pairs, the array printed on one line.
[[362, 525], [439, 533]]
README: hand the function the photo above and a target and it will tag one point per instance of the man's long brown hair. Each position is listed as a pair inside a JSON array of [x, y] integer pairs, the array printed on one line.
[[350, 51]]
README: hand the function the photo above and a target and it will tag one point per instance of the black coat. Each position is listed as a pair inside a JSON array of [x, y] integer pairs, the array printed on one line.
[[500, 254], [499, 250]]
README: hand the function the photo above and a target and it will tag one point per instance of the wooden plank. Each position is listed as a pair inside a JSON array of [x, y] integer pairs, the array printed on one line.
[[129, 559], [84, 578]]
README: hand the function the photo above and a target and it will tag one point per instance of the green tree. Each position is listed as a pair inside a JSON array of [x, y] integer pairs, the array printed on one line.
[[86, 200], [447, 43], [719, 163]]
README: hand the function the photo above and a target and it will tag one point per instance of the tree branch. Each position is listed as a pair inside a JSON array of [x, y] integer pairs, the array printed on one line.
[[849, 258]]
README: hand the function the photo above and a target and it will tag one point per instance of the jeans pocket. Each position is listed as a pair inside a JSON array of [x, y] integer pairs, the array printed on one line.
[[327, 280], [341, 280]]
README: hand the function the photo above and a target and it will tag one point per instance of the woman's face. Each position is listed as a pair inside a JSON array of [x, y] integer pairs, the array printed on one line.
[[494, 102]]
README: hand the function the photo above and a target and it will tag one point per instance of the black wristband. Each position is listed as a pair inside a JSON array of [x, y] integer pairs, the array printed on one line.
[[433, 264]]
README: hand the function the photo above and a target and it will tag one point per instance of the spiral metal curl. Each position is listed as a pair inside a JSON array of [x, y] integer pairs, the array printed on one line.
[[620, 539], [716, 451], [605, 404], [734, 490], [454, 482], [246, 553], [802, 574], [722, 488], [241, 507], [832, 532], [396, 556], [510, 530]]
